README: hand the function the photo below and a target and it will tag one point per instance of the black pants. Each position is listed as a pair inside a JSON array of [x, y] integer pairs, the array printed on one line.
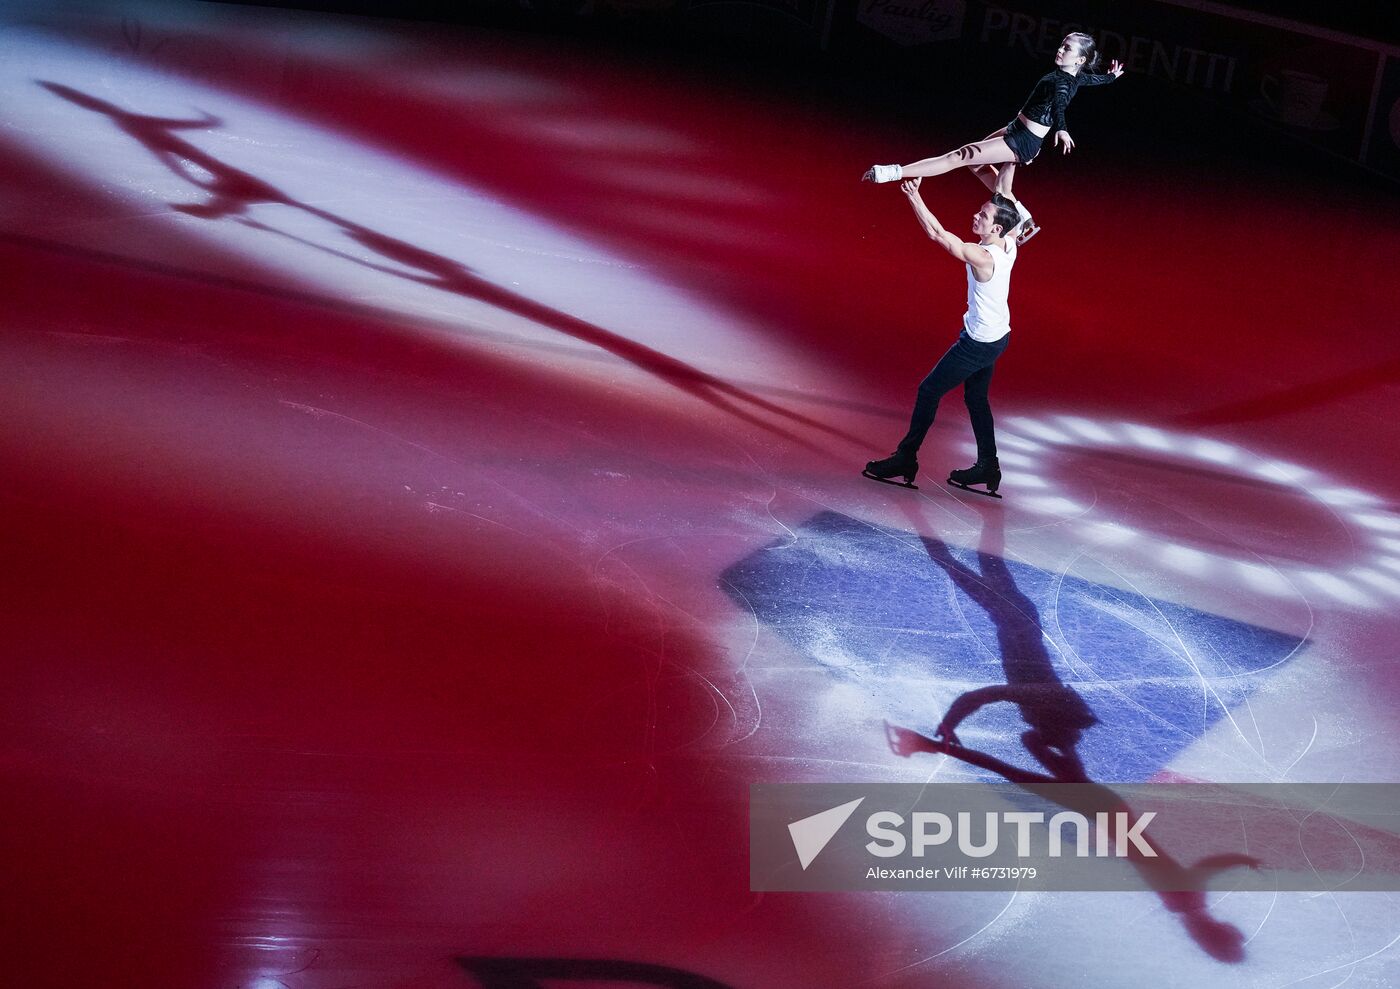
[[967, 363]]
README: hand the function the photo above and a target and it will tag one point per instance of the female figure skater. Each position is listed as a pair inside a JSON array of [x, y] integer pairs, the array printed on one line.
[[1019, 141]]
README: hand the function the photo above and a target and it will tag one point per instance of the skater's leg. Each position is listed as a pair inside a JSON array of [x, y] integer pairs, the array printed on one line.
[[988, 174], [1005, 176], [979, 410], [986, 471], [1027, 228], [992, 152], [951, 370], [998, 180]]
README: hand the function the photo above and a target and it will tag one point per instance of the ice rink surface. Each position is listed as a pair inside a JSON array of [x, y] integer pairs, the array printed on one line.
[[432, 498]]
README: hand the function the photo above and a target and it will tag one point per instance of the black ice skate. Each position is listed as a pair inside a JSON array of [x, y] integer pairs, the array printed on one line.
[[982, 472], [895, 465]]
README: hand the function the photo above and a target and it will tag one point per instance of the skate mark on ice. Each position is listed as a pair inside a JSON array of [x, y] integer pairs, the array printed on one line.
[[1306, 749], [316, 412], [1345, 965], [952, 947], [655, 599], [1208, 691], [435, 506], [742, 670], [1138, 708]]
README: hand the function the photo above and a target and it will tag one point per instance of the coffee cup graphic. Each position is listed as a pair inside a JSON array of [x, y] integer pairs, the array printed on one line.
[[1295, 98]]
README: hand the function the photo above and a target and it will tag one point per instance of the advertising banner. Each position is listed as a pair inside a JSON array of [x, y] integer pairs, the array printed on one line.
[[1382, 148]]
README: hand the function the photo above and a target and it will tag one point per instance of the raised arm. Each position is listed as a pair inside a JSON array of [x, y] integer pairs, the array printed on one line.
[[1115, 69], [972, 254]]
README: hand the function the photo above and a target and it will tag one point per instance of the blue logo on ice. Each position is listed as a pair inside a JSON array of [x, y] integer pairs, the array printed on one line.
[[917, 623]]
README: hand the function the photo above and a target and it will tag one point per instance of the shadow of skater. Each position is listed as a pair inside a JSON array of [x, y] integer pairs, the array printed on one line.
[[1057, 718], [1056, 715], [232, 191]]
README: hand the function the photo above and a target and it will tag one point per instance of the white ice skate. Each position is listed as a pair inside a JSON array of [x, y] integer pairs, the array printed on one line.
[[883, 173]]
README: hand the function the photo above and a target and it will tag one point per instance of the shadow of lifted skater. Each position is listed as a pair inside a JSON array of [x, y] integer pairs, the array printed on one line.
[[1057, 717], [233, 191]]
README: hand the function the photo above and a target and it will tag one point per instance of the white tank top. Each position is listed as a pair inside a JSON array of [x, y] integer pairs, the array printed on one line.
[[988, 316]]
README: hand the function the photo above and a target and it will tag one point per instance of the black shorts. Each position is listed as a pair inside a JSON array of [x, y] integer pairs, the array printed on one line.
[[1024, 144]]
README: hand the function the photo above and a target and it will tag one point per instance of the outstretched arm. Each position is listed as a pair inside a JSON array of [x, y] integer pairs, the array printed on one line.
[[973, 254], [965, 705], [1115, 70]]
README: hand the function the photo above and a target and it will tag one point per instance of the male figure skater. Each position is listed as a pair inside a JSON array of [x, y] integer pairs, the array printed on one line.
[[986, 331]]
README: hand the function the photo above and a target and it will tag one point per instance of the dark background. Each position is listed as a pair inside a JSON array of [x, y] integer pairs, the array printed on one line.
[[827, 52]]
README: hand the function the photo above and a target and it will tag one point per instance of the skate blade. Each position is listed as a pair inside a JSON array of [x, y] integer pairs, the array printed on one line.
[[898, 740], [985, 494], [1027, 234], [889, 480], [906, 742]]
